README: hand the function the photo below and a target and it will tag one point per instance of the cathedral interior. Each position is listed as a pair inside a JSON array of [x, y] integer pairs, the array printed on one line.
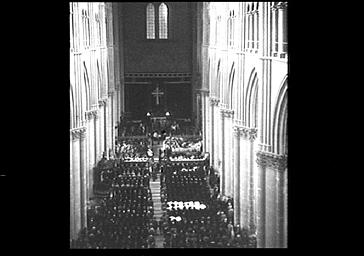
[[178, 125]]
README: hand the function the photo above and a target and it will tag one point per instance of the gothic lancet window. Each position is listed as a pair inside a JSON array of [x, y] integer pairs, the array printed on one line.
[[150, 22], [163, 21]]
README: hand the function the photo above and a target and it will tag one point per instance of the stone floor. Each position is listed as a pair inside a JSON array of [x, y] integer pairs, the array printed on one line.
[[156, 196]]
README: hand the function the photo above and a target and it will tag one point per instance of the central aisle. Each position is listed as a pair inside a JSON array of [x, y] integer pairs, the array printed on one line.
[[155, 187], [158, 212]]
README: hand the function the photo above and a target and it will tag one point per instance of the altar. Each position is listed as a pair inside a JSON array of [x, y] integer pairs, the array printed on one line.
[[159, 123]]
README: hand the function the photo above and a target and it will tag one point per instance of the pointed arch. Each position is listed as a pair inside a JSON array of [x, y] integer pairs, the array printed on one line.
[[87, 86], [280, 145], [251, 98], [99, 81], [72, 107], [229, 95], [217, 81]]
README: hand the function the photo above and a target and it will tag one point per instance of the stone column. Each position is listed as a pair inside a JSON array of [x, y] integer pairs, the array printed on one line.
[[224, 174], [244, 179], [102, 131], [207, 124], [91, 152], [105, 125], [75, 193], [261, 161], [280, 165], [214, 131], [274, 28], [227, 153], [275, 194], [256, 17], [93, 149], [252, 134], [83, 178], [281, 17], [97, 136], [72, 198], [203, 121], [211, 133], [246, 26], [217, 136], [236, 192], [111, 125]]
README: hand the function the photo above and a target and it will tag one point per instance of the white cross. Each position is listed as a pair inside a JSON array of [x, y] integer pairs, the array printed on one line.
[[156, 93]]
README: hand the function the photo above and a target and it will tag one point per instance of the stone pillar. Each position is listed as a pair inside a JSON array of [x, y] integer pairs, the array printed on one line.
[[102, 131], [281, 17], [72, 198], [274, 28], [244, 179], [271, 207], [256, 17], [75, 193], [275, 233], [212, 137], [261, 161], [92, 150], [97, 136], [111, 124], [83, 179], [227, 151], [236, 192], [207, 125], [217, 137], [214, 131], [280, 165], [252, 134], [221, 154], [203, 121], [106, 131]]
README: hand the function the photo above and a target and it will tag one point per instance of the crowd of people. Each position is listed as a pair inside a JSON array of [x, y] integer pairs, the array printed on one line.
[[130, 128], [195, 214], [132, 148], [122, 219], [183, 145], [210, 225]]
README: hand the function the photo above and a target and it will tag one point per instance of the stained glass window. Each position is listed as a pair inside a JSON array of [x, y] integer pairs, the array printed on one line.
[[150, 22], [163, 21]]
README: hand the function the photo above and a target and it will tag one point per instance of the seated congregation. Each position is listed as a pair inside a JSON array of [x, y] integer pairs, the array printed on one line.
[[195, 215], [122, 214]]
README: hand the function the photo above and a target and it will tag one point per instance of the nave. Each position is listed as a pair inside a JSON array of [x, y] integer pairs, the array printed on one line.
[[157, 88], [188, 213]]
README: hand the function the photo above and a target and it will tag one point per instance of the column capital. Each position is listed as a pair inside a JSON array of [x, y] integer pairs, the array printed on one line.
[[228, 113], [90, 114], [214, 101], [236, 131], [248, 133], [102, 102], [252, 133], [243, 132], [274, 161], [95, 114], [78, 133]]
